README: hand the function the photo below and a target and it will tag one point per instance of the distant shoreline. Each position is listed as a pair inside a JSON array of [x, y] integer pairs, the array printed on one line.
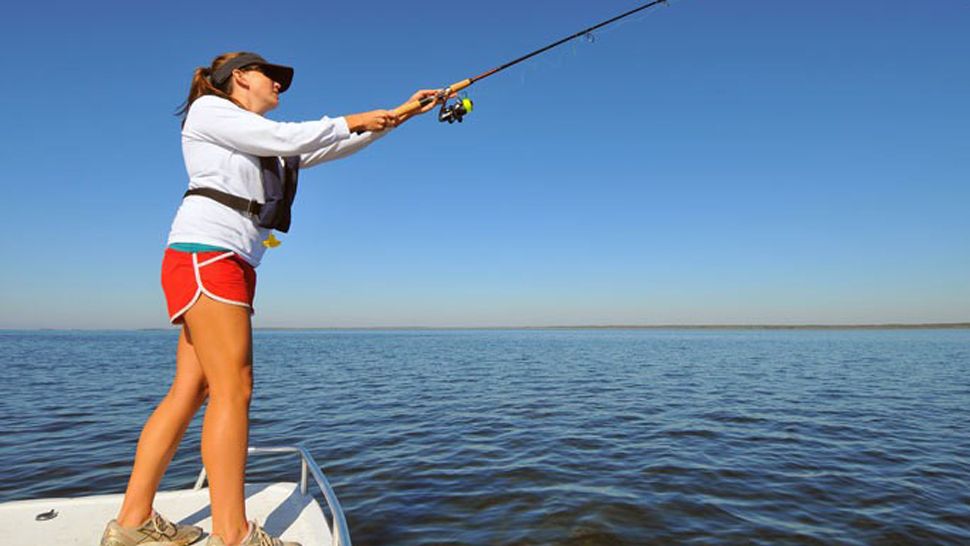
[[885, 326], [889, 326]]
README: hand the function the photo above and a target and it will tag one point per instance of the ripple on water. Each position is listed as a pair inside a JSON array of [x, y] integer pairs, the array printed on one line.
[[546, 437]]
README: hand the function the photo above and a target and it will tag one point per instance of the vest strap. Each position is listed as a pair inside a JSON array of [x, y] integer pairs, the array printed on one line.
[[279, 189], [232, 201]]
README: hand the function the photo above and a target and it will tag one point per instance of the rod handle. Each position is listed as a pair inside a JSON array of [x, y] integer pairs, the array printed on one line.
[[416, 105]]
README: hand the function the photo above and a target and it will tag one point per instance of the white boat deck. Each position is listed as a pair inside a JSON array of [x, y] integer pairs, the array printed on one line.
[[280, 508], [286, 510]]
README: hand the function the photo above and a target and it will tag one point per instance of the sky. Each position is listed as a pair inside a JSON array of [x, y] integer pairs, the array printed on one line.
[[708, 162]]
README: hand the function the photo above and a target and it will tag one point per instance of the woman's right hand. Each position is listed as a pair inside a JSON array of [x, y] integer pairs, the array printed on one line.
[[375, 120]]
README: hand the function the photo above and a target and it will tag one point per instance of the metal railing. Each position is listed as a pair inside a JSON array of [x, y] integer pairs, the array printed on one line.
[[338, 525]]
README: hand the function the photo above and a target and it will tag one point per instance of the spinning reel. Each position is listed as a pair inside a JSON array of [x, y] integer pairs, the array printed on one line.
[[454, 111]]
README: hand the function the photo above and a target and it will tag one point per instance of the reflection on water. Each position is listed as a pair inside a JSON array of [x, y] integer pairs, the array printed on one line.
[[545, 437]]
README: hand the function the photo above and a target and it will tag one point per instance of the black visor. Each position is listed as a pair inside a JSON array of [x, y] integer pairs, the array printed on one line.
[[280, 74]]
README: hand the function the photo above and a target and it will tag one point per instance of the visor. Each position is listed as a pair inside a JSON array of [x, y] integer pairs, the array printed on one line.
[[280, 74]]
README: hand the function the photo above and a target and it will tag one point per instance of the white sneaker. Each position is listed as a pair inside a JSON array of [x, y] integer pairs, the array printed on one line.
[[256, 537], [157, 531]]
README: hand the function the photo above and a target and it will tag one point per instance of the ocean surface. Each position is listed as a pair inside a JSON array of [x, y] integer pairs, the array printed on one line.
[[592, 437]]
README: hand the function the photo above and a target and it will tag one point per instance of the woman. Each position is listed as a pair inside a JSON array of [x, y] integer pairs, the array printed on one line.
[[239, 190]]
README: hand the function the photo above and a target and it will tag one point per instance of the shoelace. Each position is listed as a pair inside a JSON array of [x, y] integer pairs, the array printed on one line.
[[156, 519], [262, 537]]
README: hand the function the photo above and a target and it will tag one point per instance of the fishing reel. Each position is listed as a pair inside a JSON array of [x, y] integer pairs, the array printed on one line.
[[455, 111]]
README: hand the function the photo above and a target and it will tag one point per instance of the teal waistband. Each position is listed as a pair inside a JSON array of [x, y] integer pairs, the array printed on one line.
[[196, 247]]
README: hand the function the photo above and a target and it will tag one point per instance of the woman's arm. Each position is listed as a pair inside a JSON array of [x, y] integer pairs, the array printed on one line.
[[358, 142], [342, 149], [220, 121]]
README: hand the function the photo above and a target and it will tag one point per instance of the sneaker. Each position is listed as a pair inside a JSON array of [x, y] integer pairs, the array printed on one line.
[[256, 537], [157, 531]]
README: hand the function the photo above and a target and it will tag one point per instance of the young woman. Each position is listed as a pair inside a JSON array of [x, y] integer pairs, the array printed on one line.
[[240, 189]]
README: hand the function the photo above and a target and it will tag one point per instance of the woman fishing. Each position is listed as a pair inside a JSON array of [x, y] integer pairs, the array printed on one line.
[[242, 172]]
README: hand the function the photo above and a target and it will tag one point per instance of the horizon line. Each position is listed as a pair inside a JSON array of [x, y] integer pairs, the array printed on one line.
[[886, 326], [808, 326]]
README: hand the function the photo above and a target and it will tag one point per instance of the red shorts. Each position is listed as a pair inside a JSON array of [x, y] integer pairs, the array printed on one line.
[[223, 276]]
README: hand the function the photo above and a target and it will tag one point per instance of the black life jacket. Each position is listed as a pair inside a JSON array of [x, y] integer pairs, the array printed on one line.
[[278, 190]]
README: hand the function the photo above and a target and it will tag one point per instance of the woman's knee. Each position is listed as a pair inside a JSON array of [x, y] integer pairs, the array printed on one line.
[[202, 392], [236, 386], [194, 394]]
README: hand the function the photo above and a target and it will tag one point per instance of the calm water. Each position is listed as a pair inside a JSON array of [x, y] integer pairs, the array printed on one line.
[[544, 437]]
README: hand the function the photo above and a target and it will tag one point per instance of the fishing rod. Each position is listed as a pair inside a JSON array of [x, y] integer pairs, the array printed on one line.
[[457, 110]]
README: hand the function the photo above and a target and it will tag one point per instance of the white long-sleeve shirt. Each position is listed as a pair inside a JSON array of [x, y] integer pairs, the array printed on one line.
[[222, 144]]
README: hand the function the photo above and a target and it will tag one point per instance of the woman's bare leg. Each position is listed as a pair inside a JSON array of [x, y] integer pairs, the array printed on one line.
[[222, 336], [162, 434]]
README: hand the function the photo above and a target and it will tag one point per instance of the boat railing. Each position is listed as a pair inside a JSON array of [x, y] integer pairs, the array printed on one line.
[[308, 467]]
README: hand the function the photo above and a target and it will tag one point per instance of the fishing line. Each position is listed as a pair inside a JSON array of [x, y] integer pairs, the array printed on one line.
[[456, 111]]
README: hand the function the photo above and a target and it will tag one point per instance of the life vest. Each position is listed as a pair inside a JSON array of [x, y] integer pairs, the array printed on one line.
[[278, 190]]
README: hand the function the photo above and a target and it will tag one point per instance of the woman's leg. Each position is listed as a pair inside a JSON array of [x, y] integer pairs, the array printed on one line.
[[222, 336], [162, 433]]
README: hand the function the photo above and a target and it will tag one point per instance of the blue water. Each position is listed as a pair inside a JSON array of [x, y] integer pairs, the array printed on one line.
[[593, 437]]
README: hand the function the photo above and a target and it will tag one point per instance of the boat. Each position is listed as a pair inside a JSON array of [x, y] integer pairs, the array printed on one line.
[[285, 509]]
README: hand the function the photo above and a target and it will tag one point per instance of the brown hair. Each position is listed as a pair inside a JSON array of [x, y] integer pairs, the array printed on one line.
[[202, 84]]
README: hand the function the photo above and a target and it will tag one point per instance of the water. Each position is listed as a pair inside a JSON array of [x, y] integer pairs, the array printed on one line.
[[593, 437]]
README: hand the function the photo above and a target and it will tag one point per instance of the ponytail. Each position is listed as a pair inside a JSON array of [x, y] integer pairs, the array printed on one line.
[[202, 84]]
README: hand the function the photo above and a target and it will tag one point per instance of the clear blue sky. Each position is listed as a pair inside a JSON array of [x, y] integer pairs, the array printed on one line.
[[712, 162]]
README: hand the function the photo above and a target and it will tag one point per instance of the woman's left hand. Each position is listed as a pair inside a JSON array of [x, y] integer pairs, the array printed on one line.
[[417, 97], [422, 94]]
